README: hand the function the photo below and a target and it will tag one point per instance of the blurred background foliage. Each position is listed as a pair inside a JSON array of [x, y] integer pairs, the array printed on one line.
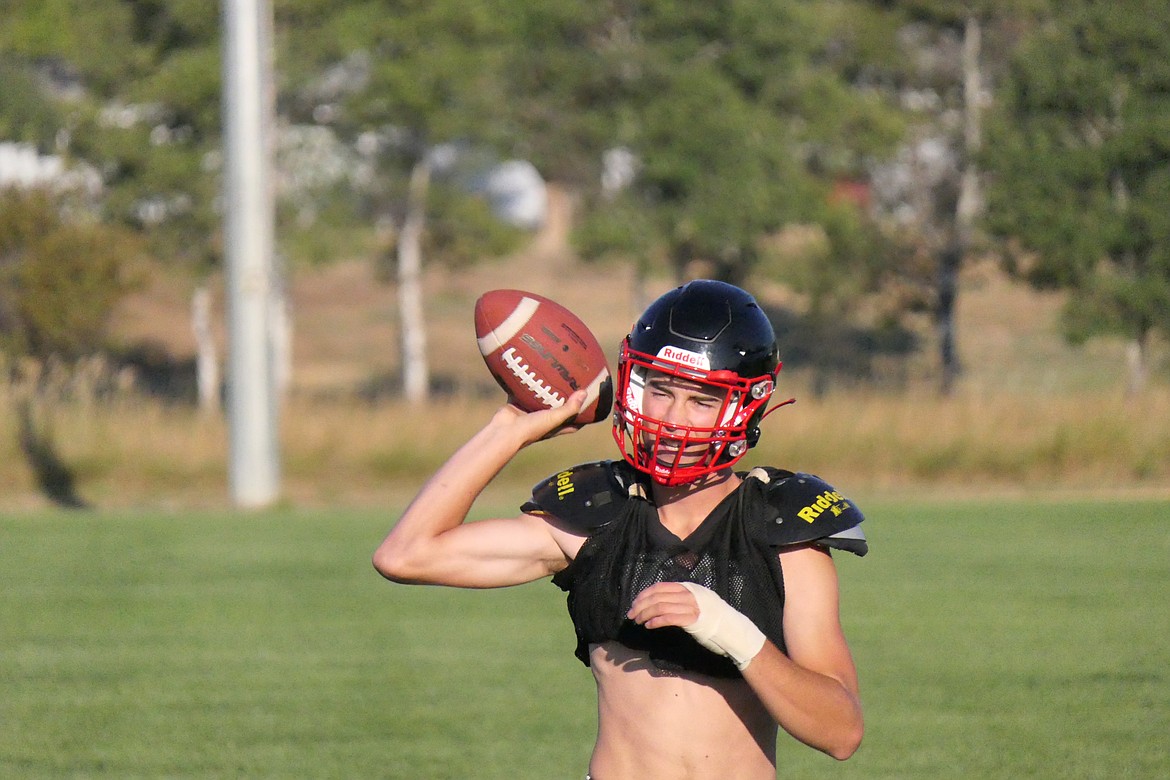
[[857, 153]]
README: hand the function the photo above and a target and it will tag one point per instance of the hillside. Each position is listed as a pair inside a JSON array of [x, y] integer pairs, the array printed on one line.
[[345, 329], [1030, 413], [346, 337]]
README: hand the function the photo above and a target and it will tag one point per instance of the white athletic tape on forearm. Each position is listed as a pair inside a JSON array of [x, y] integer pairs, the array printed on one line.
[[723, 629]]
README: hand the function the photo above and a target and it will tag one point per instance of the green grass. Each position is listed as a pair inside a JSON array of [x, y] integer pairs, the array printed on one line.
[[994, 640], [1009, 640]]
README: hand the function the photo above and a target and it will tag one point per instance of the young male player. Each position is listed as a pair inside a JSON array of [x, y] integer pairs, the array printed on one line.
[[705, 601]]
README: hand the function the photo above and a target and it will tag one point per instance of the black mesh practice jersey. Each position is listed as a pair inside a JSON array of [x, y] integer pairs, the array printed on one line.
[[734, 552]]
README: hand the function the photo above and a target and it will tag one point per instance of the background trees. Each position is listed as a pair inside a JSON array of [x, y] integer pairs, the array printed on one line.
[[734, 123], [136, 85], [698, 137], [1081, 154], [59, 280], [739, 118]]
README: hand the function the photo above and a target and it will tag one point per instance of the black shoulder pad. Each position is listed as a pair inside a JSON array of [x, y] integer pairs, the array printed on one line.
[[808, 509], [585, 497]]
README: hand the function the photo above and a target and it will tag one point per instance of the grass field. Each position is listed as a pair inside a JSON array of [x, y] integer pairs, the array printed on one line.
[[994, 640]]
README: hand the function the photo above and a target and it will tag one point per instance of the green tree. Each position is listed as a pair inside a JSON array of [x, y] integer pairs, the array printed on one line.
[[26, 115], [741, 116], [59, 279], [718, 179], [142, 108], [1080, 179]]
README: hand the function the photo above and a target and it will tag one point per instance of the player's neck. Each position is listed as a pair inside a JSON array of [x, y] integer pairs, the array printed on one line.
[[682, 508]]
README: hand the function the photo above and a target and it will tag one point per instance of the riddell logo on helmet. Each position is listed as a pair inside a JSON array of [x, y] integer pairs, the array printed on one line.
[[686, 357]]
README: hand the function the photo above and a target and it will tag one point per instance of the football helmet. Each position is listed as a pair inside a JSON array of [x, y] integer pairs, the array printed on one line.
[[708, 332]]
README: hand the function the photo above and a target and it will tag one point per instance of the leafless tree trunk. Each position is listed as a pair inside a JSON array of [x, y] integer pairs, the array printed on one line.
[[206, 360], [966, 207], [1135, 361], [280, 322], [415, 373], [1135, 348]]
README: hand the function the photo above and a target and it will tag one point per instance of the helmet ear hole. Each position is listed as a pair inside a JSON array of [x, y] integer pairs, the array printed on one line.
[[751, 437]]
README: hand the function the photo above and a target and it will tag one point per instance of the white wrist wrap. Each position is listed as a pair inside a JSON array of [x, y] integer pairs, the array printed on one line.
[[723, 629]]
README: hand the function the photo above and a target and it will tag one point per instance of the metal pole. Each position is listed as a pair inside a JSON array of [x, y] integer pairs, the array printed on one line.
[[248, 239]]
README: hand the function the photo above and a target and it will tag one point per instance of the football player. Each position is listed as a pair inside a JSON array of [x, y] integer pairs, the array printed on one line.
[[704, 599]]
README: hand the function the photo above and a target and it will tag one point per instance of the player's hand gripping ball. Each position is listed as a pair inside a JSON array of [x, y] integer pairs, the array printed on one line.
[[540, 353]]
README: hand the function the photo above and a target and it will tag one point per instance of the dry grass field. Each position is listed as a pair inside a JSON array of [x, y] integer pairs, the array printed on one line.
[[1031, 414]]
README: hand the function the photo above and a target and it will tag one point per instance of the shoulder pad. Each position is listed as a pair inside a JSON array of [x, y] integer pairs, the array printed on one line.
[[585, 497], [805, 508]]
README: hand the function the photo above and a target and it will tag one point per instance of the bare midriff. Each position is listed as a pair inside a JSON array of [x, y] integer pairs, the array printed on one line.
[[660, 725]]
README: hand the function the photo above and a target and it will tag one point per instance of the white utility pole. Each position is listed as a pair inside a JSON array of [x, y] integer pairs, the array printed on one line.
[[249, 216]]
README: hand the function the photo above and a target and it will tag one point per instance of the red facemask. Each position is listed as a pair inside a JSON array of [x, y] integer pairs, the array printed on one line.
[[674, 454]]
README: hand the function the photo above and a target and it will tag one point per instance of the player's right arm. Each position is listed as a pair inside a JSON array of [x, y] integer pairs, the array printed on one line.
[[431, 544]]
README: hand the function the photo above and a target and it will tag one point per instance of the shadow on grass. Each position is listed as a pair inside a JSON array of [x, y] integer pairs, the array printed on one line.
[[55, 479]]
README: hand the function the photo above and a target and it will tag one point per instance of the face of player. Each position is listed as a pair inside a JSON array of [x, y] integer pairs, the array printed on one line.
[[681, 417]]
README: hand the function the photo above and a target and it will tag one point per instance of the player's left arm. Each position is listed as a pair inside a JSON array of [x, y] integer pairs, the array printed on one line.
[[812, 692]]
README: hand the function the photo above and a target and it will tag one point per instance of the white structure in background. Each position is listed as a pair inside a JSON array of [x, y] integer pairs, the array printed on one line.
[[517, 194], [515, 191], [619, 168], [21, 165]]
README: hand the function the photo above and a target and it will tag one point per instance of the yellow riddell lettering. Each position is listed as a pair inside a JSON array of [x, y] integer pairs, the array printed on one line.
[[827, 500], [564, 484]]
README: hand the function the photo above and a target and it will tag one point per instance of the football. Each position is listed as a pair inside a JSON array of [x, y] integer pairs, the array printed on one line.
[[540, 353]]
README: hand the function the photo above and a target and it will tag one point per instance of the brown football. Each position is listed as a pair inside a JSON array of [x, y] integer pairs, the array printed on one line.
[[540, 353]]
